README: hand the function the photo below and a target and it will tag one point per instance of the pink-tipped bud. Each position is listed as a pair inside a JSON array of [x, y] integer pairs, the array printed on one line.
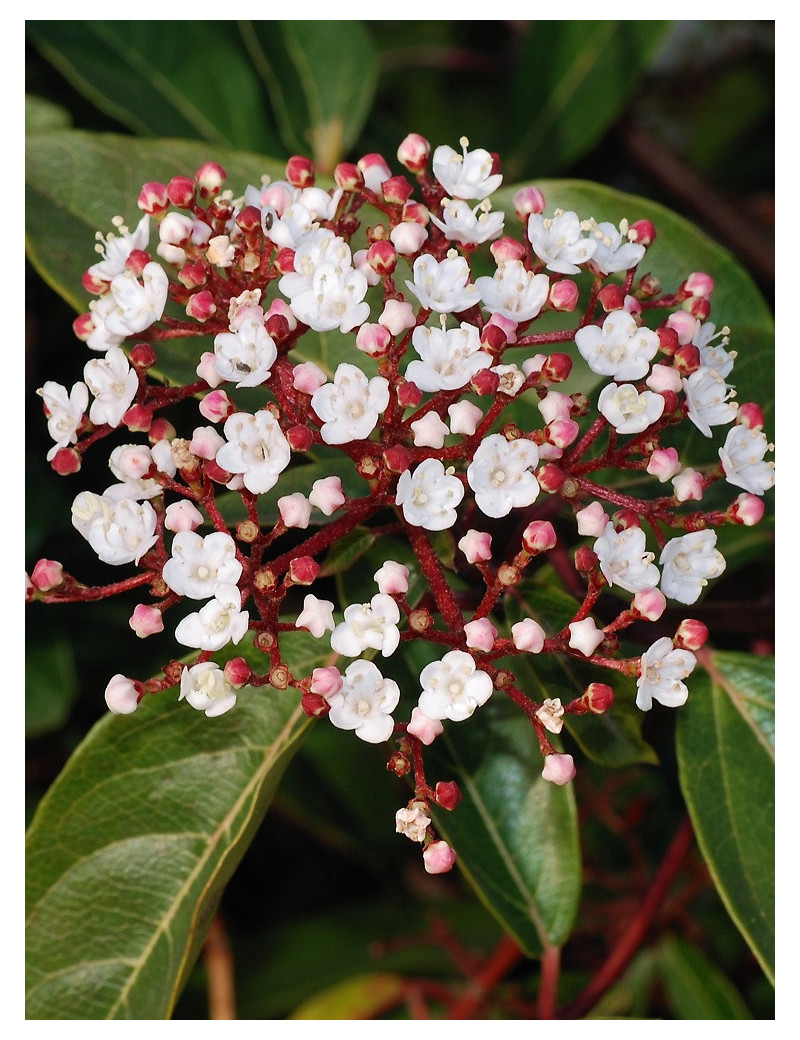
[[326, 681], [493, 338], [304, 570], [308, 377], [83, 326], [643, 232], [416, 213], [295, 511], [348, 177], [698, 308], [183, 516], [550, 478], [210, 178], [397, 190], [668, 341], [161, 429], [327, 494], [414, 153], [422, 727], [485, 382], [143, 356], [47, 575], [375, 170], [249, 219], [438, 858], [138, 418], [216, 406], [684, 325], [528, 635], [688, 485], [697, 284], [300, 171], [747, 509], [612, 298], [374, 339], [564, 295], [624, 519], [527, 201], [649, 603], [146, 620], [284, 261], [382, 257], [559, 769], [193, 275], [94, 285], [237, 672], [592, 520], [409, 395], [201, 306], [664, 377], [557, 367], [397, 458], [598, 697], [480, 634], [476, 546], [314, 705], [447, 794], [750, 415], [153, 198], [691, 634], [562, 432], [687, 359], [181, 192], [505, 249], [300, 438], [539, 536], [122, 695], [66, 461], [397, 316]]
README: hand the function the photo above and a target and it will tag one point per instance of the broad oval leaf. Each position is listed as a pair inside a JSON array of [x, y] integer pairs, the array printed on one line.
[[130, 850], [726, 759], [516, 834]]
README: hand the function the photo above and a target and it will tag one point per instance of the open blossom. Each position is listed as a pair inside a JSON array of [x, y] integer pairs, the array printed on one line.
[[365, 702], [412, 820], [256, 448], [462, 223], [449, 357], [205, 687], [334, 300], [627, 410], [219, 622], [113, 384], [118, 531], [65, 412], [559, 241], [614, 251], [708, 400], [350, 406], [624, 560], [688, 562], [661, 673], [137, 304], [245, 356], [429, 496], [711, 345], [116, 248], [453, 687], [443, 286], [513, 292], [742, 458], [200, 565], [465, 176], [501, 475], [367, 626], [620, 348]]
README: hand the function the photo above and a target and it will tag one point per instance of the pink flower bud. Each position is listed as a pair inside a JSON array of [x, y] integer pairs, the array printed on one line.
[[416, 212], [592, 520], [153, 198], [697, 284], [564, 295], [438, 858], [539, 536], [284, 261], [485, 382], [559, 769], [249, 219], [237, 672], [598, 697], [180, 192], [397, 317], [464, 417], [424, 728], [684, 325], [668, 341], [664, 463], [308, 377], [210, 178], [612, 298], [201, 306], [83, 327], [216, 406], [94, 285], [326, 681], [688, 485], [585, 636], [206, 442], [493, 338], [304, 570], [409, 395], [750, 415], [47, 575], [300, 438], [193, 275], [348, 176], [687, 359], [146, 620], [161, 430], [295, 510], [414, 153], [550, 478], [138, 418], [447, 794], [408, 237], [698, 308], [691, 634], [382, 257], [327, 494], [562, 432], [506, 326], [66, 461], [176, 229], [747, 509], [505, 249], [527, 201], [300, 171], [137, 261], [557, 367], [625, 518], [397, 458], [375, 170], [644, 232], [650, 603], [664, 377], [143, 356], [314, 705], [476, 546], [397, 190], [392, 578], [480, 634], [528, 635], [182, 516], [122, 695]]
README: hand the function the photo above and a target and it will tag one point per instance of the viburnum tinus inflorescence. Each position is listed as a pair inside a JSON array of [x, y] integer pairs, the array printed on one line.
[[438, 309]]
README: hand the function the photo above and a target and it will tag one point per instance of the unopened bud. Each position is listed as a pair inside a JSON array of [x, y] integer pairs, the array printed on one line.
[[181, 192], [122, 695], [414, 153], [687, 359], [300, 438], [397, 190], [438, 858], [747, 509], [559, 769], [382, 257], [649, 603], [691, 634], [643, 232], [300, 171], [210, 178], [585, 559], [550, 478], [143, 356], [697, 284], [409, 395], [153, 198], [138, 418], [304, 570], [598, 697], [47, 575], [314, 705], [564, 295], [216, 406], [485, 382], [539, 536], [612, 298], [698, 308], [237, 672], [668, 341], [348, 176], [750, 415], [66, 461], [557, 367], [527, 201], [397, 458], [505, 249], [201, 306], [447, 794]]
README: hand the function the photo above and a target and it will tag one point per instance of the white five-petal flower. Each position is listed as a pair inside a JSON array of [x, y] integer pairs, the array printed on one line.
[[661, 672], [365, 702], [501, 474]]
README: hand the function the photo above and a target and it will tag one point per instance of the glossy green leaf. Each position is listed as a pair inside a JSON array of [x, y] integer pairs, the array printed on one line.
[[42, 116], [131, 848], [697, 989], [138, 73], [573, 80], [362, 997], [321, 77], [516, 834], [726, 758]]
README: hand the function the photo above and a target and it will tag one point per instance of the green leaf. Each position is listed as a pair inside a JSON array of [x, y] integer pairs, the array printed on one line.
[[42, 116], [137, 73], [696, 987], [362, 997], [130, 850], [345, 551], [516, 835], [573, 80], [50, 685], [77, 181], [321, 77], [726, 759]]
